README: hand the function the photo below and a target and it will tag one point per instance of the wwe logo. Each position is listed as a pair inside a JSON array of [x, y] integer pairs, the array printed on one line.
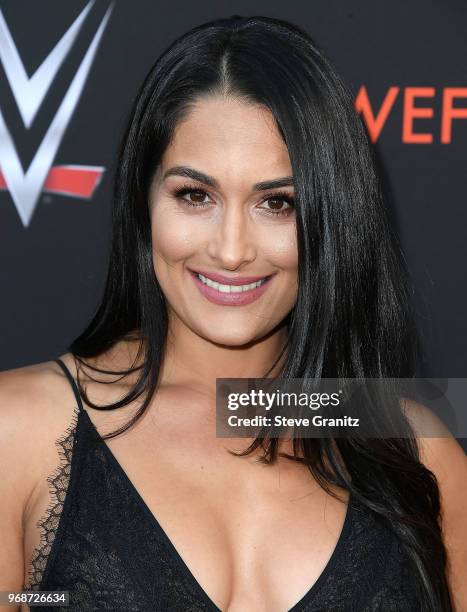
[[29, 93]]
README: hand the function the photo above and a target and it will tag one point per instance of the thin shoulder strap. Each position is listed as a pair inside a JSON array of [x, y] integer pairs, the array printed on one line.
[[72, 382]]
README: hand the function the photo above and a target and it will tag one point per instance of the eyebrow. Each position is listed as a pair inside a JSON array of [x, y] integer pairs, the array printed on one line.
[[196, 175]]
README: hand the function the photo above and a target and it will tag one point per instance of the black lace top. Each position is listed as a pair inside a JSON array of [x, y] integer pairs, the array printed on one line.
[[102, 544]]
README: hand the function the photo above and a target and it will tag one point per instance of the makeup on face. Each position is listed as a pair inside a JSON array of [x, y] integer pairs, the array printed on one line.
[[223, 223], [218, 288], [235, 292]]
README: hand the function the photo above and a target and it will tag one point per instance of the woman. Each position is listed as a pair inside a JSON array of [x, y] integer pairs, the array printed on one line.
[[243, 160]]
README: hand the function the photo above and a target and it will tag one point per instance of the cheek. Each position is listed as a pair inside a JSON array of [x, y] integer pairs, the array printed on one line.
[[281, 248], [172, 236]]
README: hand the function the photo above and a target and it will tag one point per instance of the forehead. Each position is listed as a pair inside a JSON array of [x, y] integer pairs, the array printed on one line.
[[225, 136]]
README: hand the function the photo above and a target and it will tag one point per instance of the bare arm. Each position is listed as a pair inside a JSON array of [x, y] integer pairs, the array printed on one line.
[[14, 486], [28, 426]]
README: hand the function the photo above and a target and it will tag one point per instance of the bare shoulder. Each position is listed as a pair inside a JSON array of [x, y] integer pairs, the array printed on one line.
[[24, 394], [28, 398], [439, 450], [35, 408], [36, 404], [446, 459]]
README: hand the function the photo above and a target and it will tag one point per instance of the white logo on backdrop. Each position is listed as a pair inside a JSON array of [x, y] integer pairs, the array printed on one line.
[[29, 92]]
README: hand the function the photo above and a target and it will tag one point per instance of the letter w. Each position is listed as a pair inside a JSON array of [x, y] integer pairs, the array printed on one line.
[[25, 187]]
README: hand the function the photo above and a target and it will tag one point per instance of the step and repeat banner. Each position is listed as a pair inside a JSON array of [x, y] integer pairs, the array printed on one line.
[[69, 72]]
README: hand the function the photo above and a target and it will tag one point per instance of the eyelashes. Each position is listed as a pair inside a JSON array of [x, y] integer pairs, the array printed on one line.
[[277, 195]]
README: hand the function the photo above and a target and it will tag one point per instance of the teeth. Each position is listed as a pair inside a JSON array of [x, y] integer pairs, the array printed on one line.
[[229, 288]]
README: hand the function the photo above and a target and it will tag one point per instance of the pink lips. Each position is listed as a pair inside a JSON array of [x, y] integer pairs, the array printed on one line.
[[231, 299], [230, 280]]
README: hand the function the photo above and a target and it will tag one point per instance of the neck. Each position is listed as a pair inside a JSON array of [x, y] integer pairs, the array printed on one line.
[[194, 360]]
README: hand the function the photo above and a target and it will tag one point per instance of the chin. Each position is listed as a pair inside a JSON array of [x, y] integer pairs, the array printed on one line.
[[230, 338]]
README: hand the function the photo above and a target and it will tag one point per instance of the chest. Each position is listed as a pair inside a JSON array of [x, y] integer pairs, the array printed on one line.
[[250, 536]]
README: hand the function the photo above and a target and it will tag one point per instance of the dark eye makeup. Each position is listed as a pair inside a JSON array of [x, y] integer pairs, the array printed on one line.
[[282, 196]]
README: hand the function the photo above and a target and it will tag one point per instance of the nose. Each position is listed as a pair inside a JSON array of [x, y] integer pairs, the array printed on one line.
[[232, 241]]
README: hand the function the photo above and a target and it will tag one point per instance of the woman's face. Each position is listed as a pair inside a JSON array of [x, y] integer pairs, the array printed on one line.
[[225, 222]]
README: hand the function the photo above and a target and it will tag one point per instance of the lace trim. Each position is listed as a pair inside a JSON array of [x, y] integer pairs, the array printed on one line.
[[48, 524]]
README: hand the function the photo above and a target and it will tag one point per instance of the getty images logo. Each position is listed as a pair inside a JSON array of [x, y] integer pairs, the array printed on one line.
[[25, 187]]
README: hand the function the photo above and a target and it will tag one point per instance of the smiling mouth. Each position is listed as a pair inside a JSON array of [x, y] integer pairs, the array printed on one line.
[[230, 288]]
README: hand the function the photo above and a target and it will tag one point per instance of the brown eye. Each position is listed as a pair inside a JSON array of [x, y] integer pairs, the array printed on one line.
[[198, 196], [275, 205]]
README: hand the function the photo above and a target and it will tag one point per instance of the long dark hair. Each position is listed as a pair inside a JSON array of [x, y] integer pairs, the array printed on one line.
[[353, 315]]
